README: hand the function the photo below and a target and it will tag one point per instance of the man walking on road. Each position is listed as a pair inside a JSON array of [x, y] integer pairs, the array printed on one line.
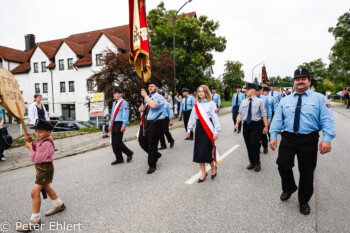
[[151, 123], [186, 107], [301, 116], [276, 98], [237, 98], [252, 111], [117, 125], [216, 98]]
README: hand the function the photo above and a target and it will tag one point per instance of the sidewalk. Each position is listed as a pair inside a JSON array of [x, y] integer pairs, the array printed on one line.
[[19, 157], [341, 109]]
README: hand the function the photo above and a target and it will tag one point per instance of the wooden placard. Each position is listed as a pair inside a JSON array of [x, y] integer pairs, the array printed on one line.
[[10, 94]]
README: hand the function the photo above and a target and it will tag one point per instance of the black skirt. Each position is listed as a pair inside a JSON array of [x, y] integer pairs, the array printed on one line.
[[203, 149]]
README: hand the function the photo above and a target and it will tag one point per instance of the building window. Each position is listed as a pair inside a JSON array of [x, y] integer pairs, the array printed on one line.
[[61, 64], [62, 87], [70, 63], [37, 87], [71, 86], [36, 67], [45, 88], [43, 66], [98, 60], [90, 86]]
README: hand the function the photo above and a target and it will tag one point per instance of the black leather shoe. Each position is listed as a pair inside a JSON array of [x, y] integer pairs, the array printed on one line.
[[191, 138], [151, 170], [159, 155], [266, 150], [216, 172], [305, 208], [200, 181], [286, 195], [117, 162], [257, 168], [129, 158], [239, 131], [172, 144], [235, 130], [162, 148], [187, 138], [250, 167]]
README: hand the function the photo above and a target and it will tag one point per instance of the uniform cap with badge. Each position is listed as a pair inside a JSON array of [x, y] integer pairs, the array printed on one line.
[[302, 72], [117, 90], [250, 86], [185, 89]]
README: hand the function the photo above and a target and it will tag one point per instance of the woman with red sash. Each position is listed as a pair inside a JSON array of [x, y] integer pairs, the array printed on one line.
[[206, 119]]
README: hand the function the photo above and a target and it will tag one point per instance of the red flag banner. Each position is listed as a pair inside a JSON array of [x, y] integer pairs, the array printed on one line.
[[139, 38]]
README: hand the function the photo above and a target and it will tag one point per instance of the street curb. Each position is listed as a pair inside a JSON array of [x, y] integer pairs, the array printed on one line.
[[95, 147]]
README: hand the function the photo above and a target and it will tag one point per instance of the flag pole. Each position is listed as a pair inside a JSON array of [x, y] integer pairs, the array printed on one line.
[[143, 99]]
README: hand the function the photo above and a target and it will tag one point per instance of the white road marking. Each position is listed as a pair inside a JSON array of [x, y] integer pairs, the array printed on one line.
[[207, 168]]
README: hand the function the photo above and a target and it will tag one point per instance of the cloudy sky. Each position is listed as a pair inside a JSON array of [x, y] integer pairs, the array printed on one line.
[[283, 34]]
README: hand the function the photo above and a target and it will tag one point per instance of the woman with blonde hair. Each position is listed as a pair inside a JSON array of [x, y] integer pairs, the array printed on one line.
[[206, 119], [37, 110]]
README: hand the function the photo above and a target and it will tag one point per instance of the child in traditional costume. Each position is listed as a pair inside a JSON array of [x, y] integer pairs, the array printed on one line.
[[41, 154], [205, 117]]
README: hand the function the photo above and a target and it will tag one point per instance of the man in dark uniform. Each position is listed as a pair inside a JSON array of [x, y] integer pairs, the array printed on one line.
[[152, 115], [168, 120], [252, 111], [301, 116], [186, 108], [237, 98], [117, 125]]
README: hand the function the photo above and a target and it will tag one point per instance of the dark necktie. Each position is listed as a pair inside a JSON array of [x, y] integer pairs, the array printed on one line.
[[249, 117], [297, 114], [237, 99], [273, 102], [185, 103]]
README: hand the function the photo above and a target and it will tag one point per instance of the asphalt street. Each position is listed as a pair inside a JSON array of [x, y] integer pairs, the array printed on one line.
[[123, 198]]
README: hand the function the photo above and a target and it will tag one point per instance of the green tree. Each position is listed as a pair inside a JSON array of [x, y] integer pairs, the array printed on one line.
[[340, 54], [318, 71], [195, 41], [276, 80], [233, 74]]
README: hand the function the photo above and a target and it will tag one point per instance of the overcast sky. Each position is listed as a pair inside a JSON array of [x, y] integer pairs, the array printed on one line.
[[284, 34]]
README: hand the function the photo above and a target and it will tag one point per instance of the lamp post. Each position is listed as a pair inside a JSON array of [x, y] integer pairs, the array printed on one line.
[[174, 44], [253, 70]]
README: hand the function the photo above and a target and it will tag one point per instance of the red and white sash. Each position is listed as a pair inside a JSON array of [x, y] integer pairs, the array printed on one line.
[[208, 128], [115, 113], [141, 123]]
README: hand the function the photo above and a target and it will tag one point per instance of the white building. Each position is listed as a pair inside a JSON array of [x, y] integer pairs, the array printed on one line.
[[58, 69]]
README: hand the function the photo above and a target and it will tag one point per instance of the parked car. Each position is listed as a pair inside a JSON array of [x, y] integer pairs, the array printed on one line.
[[55, 119], [67, 126], [338, 95], [87, 124], [100, 121]]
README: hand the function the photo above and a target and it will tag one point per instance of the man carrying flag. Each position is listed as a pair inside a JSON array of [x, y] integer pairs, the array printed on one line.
[[117, 125]]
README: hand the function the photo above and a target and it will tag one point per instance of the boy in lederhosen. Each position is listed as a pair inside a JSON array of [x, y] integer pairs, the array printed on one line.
[[41, 154]]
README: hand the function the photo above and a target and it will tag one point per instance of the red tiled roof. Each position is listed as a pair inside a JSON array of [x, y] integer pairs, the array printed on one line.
[[119, 43], [23, 68], [77, 48], [85, 61], [15, 55]]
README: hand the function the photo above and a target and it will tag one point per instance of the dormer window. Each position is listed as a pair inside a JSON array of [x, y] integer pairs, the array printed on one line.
[[61, 64], [98, 60], [43, 66], [70, 63], [36, 67]]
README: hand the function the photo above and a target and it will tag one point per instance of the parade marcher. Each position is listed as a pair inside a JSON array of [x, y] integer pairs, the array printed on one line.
[[186, 107], [152, 114], [176, 104], [263, 137], [178, 108], [216, 98], [252, 111], [268, 103], [170, 99], [41, 153], [276, 97], [37, 110], [205, 117], [168, 120], [300, 116], [237, 98], [117, 127]]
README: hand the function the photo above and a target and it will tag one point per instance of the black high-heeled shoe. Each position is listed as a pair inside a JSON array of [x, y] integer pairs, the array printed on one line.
[[216, 172], [200, 181]]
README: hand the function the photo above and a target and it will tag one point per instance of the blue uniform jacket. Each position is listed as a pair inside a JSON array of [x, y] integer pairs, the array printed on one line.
[[316, 114], [168, 112], [216, 99], [123, 113], [190, 103], [160, 102], [268, 102], [241, 97]]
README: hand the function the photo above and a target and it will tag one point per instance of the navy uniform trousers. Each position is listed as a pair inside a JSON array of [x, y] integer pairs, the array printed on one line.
[[117, 142], [149, 143], [187, 115], [251, 135], [305, 146], [166, 132]]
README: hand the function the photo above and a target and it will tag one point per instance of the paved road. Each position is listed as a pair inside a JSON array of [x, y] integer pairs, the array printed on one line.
[[123, 198]]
